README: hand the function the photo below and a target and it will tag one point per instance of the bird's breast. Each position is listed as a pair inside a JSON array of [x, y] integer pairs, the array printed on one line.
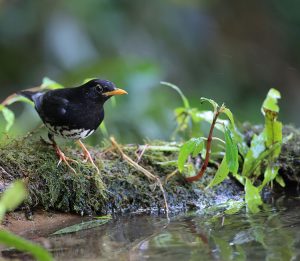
[[69, 133]]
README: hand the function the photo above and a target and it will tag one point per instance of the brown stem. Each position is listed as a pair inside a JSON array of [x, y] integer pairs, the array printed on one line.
[[144, 171], [208, 146]]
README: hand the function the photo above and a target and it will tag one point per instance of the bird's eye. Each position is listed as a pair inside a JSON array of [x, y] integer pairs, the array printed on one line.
[[99, 88]]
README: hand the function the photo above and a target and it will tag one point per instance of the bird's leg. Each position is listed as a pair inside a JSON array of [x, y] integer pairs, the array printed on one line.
[[87, 155], [60, 154]]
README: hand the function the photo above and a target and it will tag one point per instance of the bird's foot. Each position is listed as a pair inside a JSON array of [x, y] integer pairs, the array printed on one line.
[[87, 156], [65, 159]]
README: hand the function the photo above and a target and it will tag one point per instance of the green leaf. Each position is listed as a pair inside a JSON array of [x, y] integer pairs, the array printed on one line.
[[12, 197], [270, 103], [103, 129], [231, 152], [229, 115], [235, 134], [9, 239], [221, 173], [185, 101], [208, 117], [270, 174], [280, 181], [193, 146], [9, 117], [252, 197], [82, 226], [252, 159], [189, 170], [182, 118], [273, 134], [50, 84], [19, 98], [212, 102]]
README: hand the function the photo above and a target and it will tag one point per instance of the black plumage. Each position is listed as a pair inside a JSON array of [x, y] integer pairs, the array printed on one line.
[[73, 113]]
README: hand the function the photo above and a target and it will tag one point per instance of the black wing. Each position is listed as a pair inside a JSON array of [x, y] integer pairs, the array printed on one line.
[[51, 108]]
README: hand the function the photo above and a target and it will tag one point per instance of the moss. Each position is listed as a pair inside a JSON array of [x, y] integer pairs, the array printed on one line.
[[119, 187], [289, 158], [51, 186]]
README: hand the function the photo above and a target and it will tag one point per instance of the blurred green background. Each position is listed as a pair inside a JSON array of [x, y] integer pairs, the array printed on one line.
[[230, 51]]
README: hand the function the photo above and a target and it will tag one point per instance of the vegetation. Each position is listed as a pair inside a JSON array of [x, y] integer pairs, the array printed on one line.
[[258, 163], [254, 167], [120, 189], [10, 199]]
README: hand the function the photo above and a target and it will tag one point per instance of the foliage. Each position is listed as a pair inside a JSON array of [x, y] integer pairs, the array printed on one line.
[[83, 226], [257, 164], [10, 199]]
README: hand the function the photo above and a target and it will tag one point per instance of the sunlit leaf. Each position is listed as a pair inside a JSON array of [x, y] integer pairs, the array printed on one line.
[[221, 173], [82, 226], [270, 174], [235, 133], [193, 146], [103, 129], [229, 115], [231, 152], [280, 181], [9, 117], [252, 197], [19, 98], [189, 169], [12, 197], [50, 84], [208, 117], [9, 239], [273, 132], [270, 103], [239, 178], [181, 118], [212, 102], [252, 159], [185, 101]]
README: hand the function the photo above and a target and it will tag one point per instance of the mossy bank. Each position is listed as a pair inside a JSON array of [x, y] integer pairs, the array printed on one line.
[[120, 187]]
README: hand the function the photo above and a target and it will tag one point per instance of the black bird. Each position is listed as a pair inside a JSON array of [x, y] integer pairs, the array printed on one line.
[[73, 113]]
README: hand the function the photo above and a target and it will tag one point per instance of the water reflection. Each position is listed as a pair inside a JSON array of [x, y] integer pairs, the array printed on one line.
[[273, 234]]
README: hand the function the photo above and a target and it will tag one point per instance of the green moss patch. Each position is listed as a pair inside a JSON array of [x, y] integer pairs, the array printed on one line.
[[118, 188]]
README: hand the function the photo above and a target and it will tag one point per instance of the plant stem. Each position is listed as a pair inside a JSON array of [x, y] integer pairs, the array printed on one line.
[[208, 147]]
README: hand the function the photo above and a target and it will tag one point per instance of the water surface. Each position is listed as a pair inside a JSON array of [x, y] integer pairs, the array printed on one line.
[[272, 234]]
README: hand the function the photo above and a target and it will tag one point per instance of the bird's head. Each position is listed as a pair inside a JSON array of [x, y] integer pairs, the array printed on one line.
[[103, 89]]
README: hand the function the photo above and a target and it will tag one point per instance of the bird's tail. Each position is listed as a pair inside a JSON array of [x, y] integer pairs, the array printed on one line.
[[28, 94]]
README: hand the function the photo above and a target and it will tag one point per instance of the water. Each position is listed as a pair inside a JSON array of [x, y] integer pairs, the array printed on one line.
[[273, 234]]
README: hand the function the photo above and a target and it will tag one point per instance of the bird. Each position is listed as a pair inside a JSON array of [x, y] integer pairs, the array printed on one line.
[[73, 113]]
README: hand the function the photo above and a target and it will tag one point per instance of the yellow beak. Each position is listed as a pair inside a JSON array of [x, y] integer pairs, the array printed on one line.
[[115, 92]]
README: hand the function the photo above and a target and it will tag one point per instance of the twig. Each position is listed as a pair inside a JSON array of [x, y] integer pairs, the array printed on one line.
[[144, 171], [208, 146], [140, 153], [173, 173]]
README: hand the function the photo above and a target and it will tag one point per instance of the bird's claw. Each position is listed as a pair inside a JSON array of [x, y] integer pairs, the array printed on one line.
[[87, 156], [65, 159]]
